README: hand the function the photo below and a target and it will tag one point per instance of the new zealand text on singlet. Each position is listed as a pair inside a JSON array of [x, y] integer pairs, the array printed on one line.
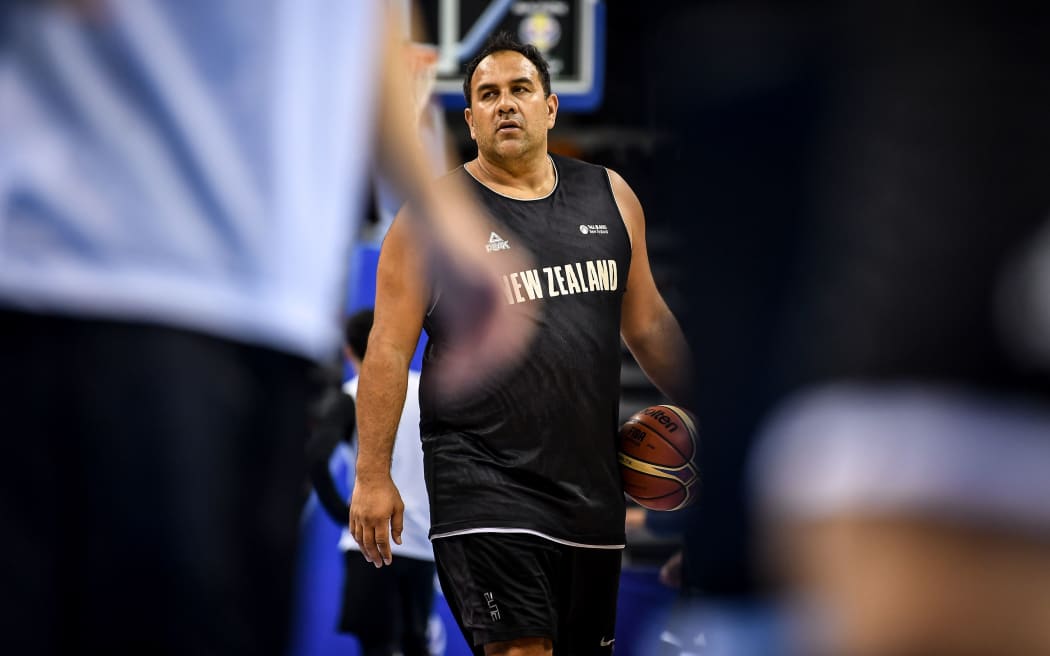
[[561, 280]]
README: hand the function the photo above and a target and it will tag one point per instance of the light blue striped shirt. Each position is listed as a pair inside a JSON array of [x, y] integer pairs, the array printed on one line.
[[188, 162]]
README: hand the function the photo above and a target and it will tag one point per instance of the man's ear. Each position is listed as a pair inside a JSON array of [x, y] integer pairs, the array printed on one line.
[[552, 110], [469, 118]]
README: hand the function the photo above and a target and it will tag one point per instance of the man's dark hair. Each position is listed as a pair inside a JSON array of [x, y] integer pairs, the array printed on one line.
[[504, 41], [356, 329]]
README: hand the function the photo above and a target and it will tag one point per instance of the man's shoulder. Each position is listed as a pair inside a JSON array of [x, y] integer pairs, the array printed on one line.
[[567, 164], [452, 178], [455, 176], [575, 171]]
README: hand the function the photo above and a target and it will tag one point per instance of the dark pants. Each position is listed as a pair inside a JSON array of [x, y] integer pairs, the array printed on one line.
[[150, 481], [388, 609]]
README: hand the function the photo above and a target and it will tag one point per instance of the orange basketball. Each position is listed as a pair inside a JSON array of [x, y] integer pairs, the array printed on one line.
[[657, 458]]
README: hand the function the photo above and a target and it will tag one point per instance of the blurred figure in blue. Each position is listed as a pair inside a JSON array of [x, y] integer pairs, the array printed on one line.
[[904, 475], [864, 246], [178, 181], [743, 111]]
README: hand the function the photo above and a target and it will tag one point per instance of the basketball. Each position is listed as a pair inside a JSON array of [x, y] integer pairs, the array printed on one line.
[[657, 458]]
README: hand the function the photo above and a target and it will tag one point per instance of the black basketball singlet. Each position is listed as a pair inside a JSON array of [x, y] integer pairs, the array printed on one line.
[[535, 449]]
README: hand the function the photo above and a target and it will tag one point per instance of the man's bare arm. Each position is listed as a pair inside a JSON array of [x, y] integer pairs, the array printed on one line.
[[376, 509], [648, 327]]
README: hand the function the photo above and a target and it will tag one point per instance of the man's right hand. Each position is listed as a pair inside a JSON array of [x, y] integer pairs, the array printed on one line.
[[377, 514]]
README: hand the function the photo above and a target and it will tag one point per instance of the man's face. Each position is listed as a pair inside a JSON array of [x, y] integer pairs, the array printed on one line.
[[509, 115]]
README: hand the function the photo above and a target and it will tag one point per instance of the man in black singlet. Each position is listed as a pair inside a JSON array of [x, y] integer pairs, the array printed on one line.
[[527, 505]]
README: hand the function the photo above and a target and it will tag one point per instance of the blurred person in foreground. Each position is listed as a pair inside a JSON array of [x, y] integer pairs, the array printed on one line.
[[178, 181], [904, 482], [742, 112], [386, 609], [527, 506]]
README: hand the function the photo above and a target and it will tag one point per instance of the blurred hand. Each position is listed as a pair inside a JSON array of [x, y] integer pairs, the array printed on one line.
[[635, 518], [671, 572], [377, 515], [485, 334]]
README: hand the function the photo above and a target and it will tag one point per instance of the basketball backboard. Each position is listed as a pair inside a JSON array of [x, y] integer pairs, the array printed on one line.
[[569, 33]]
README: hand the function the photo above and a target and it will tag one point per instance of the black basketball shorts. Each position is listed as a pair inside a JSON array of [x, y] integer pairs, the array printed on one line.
[[502, 586]]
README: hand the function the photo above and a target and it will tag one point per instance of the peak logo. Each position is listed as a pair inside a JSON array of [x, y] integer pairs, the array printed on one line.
[[496, 243], [594, 229]]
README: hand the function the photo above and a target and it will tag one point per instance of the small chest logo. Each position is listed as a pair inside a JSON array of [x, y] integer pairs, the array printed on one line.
[[496, 243], [594, 229]]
